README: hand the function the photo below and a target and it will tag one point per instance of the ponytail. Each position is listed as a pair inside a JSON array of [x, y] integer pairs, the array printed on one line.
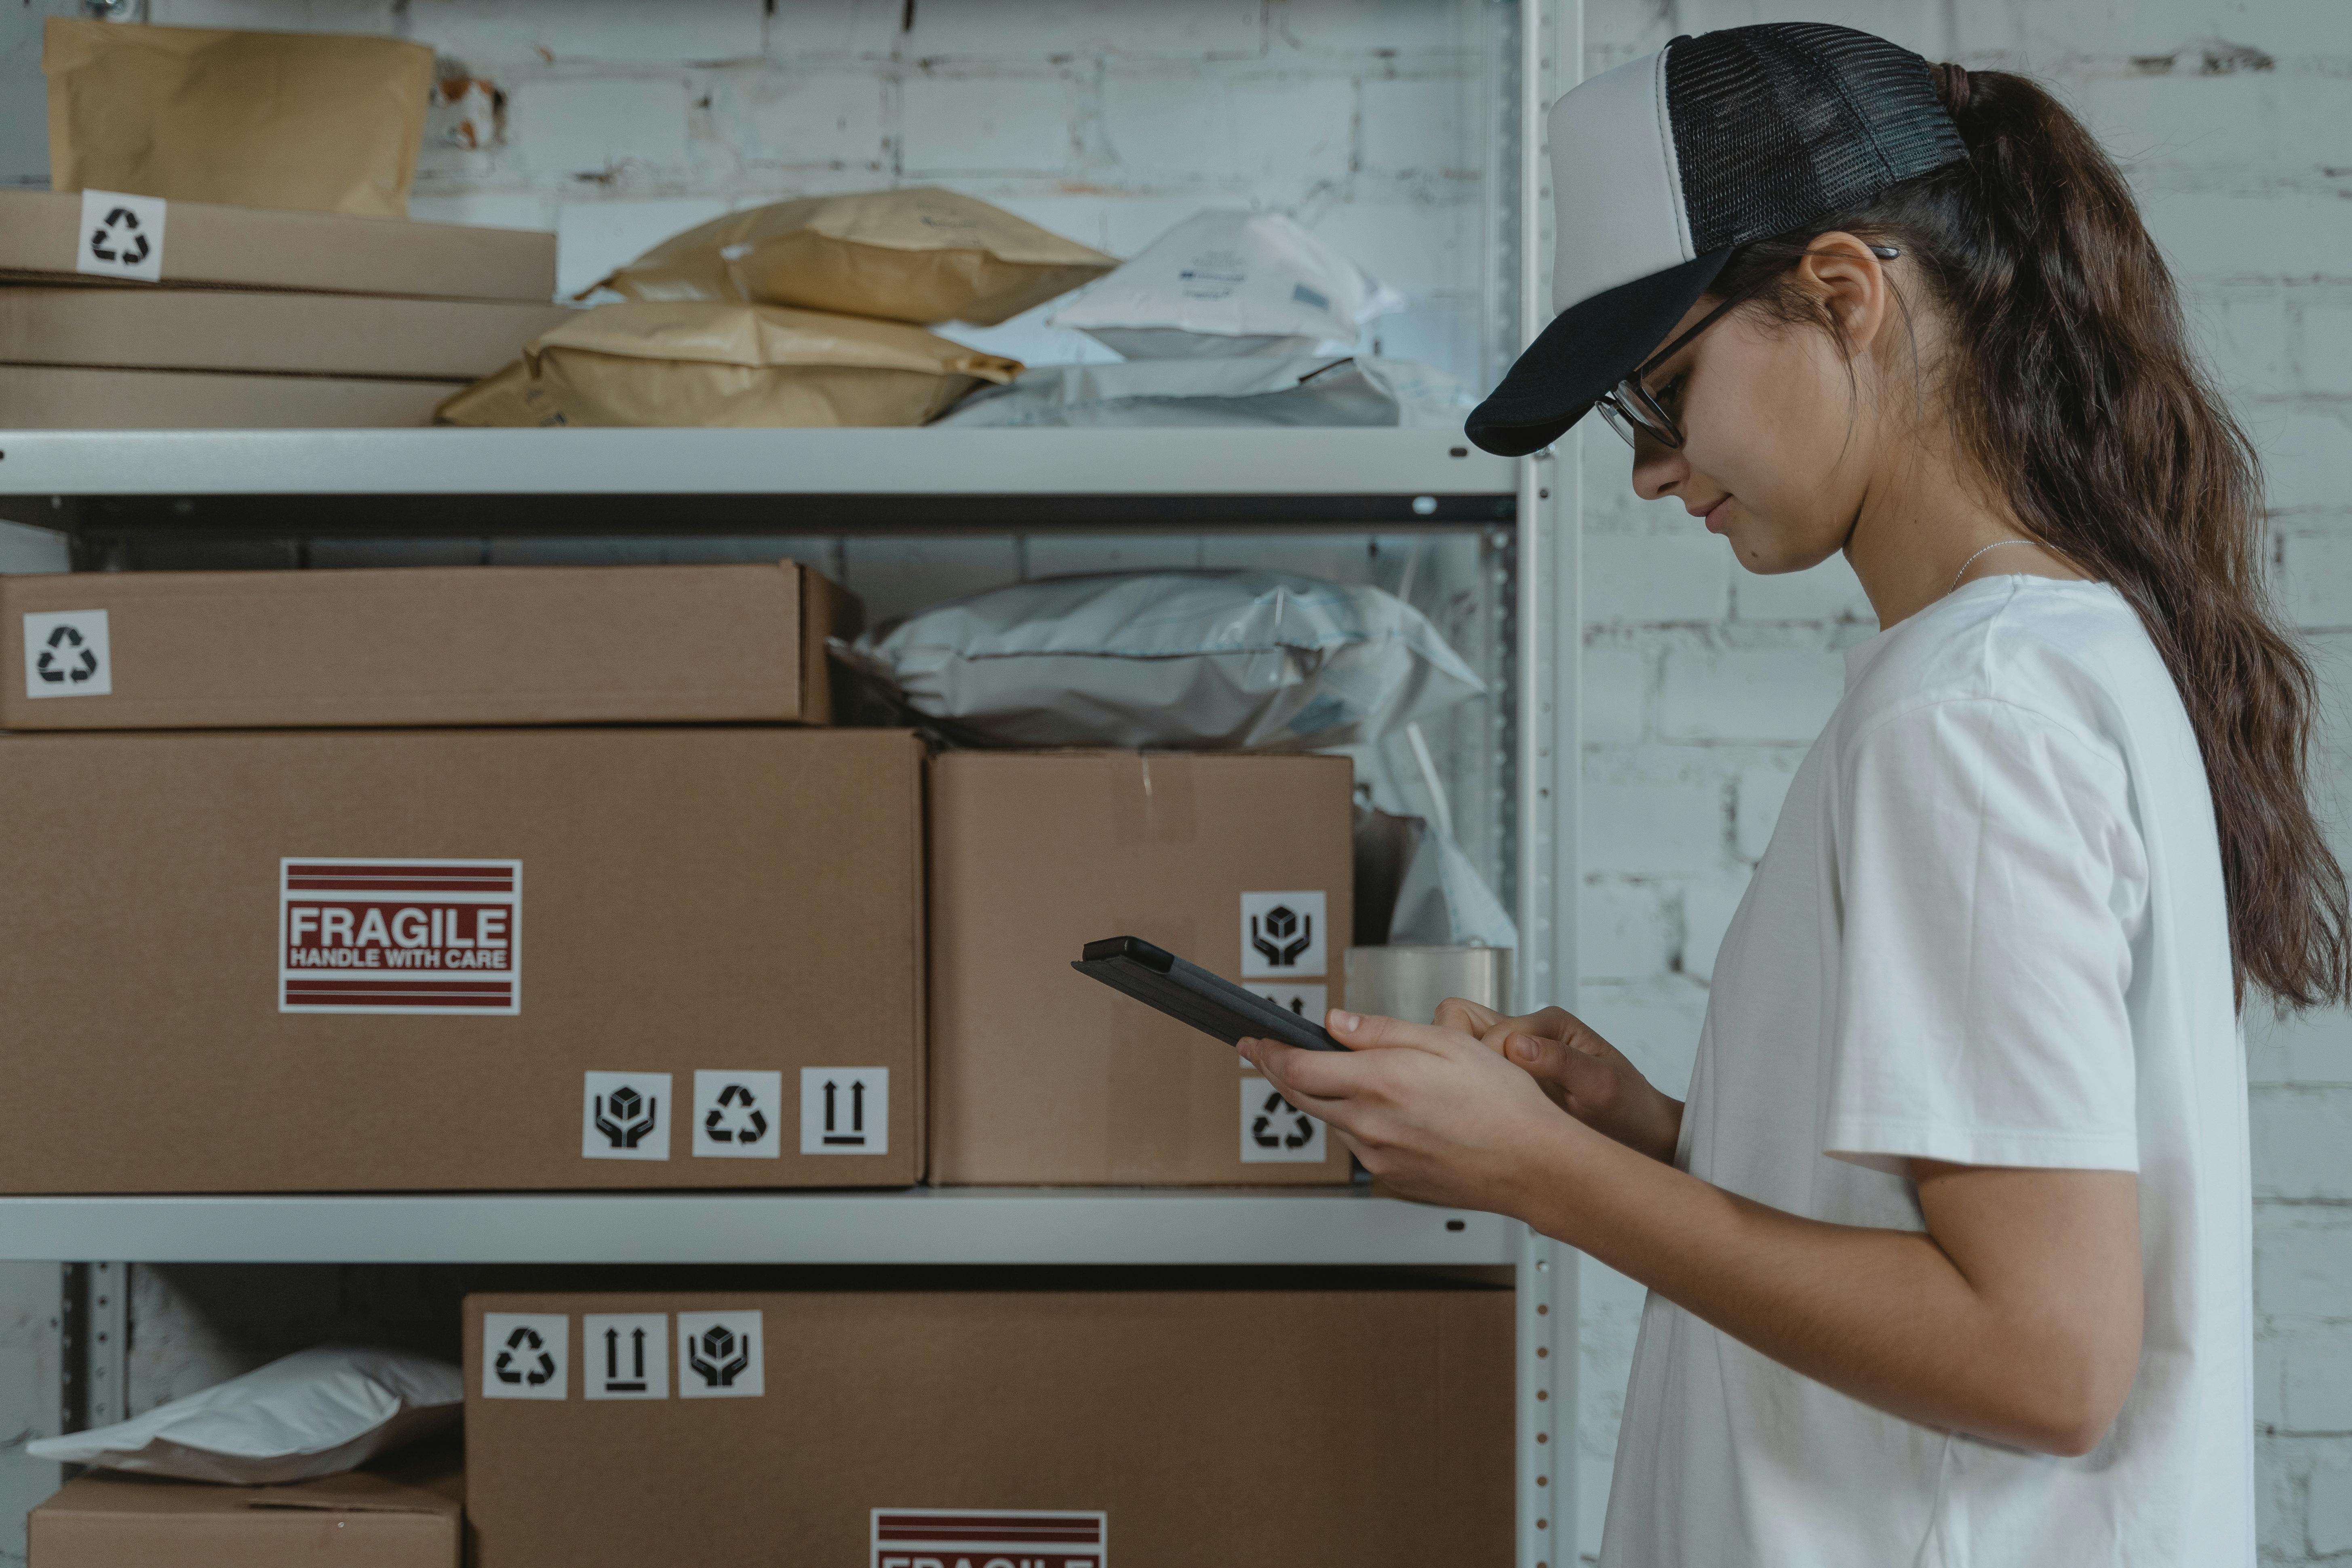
[[2075, 390]]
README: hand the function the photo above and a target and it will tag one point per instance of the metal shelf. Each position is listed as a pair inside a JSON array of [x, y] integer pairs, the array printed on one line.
[[952, 1224]]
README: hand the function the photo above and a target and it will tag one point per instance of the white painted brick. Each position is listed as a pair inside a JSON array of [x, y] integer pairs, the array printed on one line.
[[2313, 1047], [2278, 1496], [1655, 1021], [2303, 1264], [2314, 580], [482, 33], [2211, 233], [800, 29], [1652, 831], [2319, 1382], [990, 126], [2270, 1375], [1023, 29], [1340, 558], [1420, 126], [2300, 1136], [1626, 27], [829, 119], [1828, 592], [2118, 29], [1707, 909], [1622, 930], [1412, 246], [1756, 812], [1055, 555], [1285, 132], [2305, 455], [1749, 694], [593, 237], [485, 209], [2330, 1520], [1646, 579], [1916, 25], [2326, 347], [2247, 118], [278, 16], [568, 128], [1356, 26], [1616, 688], [2243, 339]]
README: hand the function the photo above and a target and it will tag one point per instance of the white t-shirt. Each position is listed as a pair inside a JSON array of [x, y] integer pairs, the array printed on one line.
[[1989, 929]]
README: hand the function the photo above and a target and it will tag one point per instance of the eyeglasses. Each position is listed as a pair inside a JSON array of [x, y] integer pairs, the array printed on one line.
[[1631, 409]]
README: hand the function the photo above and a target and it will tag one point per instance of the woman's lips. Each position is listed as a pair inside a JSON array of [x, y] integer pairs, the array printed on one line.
[[1715, 513]]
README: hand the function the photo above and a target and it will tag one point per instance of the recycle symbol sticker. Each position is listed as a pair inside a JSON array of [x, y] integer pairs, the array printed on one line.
[[525, 1359], [66, 653], [1274, 1131], [1281, 1125], [737, 1114], [121, 236], [750, 1128], [118, 239], [524, 1355]]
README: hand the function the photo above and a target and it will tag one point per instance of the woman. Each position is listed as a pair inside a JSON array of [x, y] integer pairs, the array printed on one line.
[[1948, 1248]]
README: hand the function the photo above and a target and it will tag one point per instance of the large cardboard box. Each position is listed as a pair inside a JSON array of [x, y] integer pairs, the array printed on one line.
[[1052, 1427], [459, 645], [73, 397], [402, 1515], [1241, 864], [268, 333], [199, 245], [341, 960]]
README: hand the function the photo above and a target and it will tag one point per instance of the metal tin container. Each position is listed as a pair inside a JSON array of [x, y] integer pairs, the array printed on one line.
[[1409, 981]]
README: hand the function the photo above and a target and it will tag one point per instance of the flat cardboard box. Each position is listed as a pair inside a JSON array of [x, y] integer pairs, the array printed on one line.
[[60, 397], [268, 333], [211, 246], [397, 1517], [1209, 1423], [452, 960], [1041, 1075], [417, 645]]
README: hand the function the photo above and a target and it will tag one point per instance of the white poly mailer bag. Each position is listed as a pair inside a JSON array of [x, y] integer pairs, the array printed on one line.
[[1225, 393], [315, 1413], [1234, 660], [1225, 283]]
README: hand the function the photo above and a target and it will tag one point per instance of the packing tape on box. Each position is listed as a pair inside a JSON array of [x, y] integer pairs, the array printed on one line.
[[1151, 798]]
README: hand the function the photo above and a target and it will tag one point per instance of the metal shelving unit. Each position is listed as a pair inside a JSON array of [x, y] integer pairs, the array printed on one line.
[[105, 486]]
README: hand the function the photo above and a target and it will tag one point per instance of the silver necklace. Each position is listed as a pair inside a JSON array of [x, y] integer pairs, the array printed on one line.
[[1971, 561]]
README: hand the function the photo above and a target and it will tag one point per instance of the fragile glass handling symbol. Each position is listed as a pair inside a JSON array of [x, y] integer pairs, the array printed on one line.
[[718, 1356], [58, 665], [1266, 1134], [523, 1341], [1283, 936], [612, 1362], [856, 1136], [633, 1116]]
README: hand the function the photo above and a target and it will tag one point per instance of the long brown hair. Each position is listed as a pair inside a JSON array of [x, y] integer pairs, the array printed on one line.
[[2071, 377]]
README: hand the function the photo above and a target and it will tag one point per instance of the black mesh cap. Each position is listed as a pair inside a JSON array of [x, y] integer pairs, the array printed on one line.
[[1664, 166]]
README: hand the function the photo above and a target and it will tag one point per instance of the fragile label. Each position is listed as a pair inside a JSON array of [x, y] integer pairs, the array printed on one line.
[[721, 1356], [121, 236], [844, 1111], [66, 653], [1275, 1131], [624, 1355], [523, 1355], [625, 1116], [989, 1538], [1283, 936], [399, 936]]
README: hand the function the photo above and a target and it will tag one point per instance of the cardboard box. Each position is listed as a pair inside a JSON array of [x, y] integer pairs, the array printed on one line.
[[1052, 1427], [458, 645], [293, 334], [205, 245], [56, 397], [353, 960], [401, 1516], [1241, 864]]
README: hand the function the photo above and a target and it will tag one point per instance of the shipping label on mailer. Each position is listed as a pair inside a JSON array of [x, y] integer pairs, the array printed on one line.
[[399, 936], [975, 1538]]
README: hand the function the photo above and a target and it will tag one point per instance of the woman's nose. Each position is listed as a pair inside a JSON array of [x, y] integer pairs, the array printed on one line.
[[1658, 469]]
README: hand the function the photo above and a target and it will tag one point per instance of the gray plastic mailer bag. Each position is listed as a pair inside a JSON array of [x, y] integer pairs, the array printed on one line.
[[1225, 393], [1233, 660]]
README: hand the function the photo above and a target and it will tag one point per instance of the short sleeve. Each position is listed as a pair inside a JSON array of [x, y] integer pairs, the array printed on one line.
[[1990, 880]]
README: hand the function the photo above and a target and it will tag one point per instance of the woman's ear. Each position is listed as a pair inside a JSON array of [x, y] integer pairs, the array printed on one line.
[[1852, 285]]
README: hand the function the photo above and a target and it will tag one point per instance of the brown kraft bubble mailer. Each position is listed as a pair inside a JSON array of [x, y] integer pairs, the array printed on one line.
[[922, 255], [311, 121], [684, 363]]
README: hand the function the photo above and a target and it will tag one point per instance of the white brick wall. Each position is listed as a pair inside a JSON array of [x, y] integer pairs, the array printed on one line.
[[1702, 683]]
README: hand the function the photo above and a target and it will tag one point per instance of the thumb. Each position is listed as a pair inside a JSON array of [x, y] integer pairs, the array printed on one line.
[[1557, 1062]]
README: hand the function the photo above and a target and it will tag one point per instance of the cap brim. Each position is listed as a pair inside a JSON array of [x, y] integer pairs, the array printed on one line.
[[1588, 349]]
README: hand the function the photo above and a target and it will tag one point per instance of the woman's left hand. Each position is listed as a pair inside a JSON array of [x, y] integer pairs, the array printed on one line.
[[1431, 1111]]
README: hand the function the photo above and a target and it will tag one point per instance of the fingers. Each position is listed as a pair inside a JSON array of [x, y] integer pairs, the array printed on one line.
[[1583, 1074], [1307, 1078], [1370, 1031], [1470, 1017]]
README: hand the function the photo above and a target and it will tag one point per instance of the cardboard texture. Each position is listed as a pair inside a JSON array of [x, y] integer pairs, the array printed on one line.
[[348, 960], [1205, 1424], [316, 122], [406, 1515], [1041, 1075], [461, 645], [919, 255], [300, 335], [62, 397], [662, 364], [203, 244]]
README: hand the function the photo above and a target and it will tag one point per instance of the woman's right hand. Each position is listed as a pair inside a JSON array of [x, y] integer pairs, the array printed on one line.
[[1584, 1074]]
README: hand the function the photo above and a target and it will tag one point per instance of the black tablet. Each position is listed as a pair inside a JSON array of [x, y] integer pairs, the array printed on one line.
[[1190, 993]]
